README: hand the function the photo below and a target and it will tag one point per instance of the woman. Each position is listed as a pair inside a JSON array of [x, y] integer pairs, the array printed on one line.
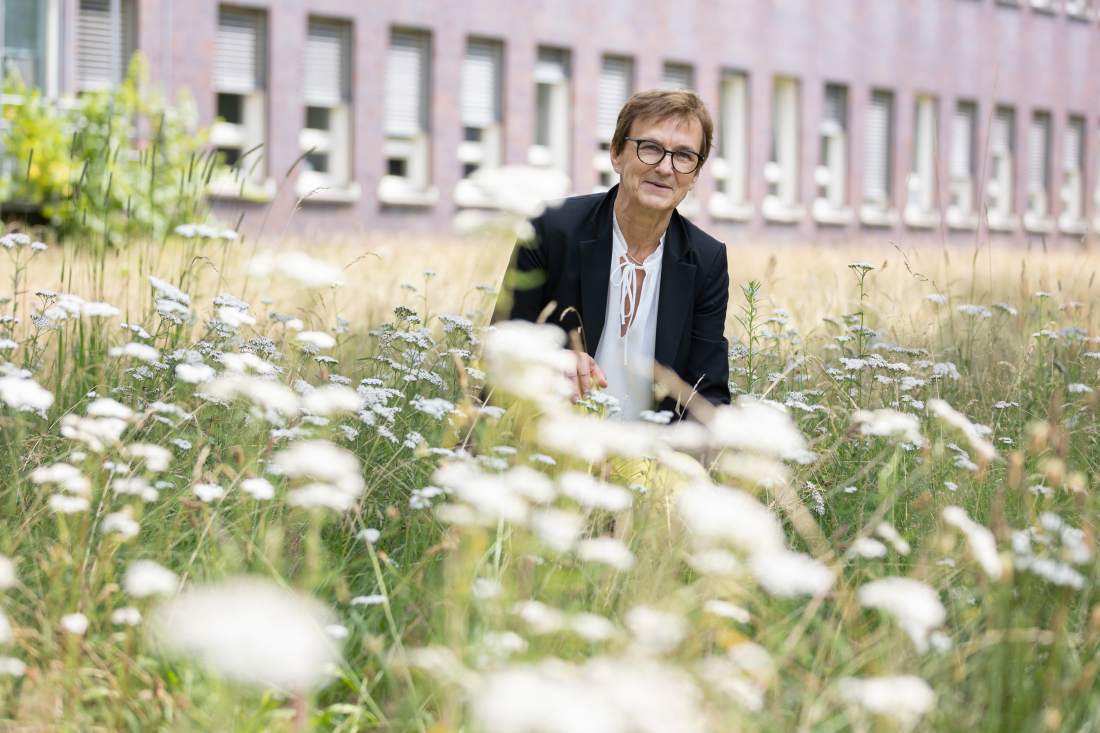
[[634, 280]]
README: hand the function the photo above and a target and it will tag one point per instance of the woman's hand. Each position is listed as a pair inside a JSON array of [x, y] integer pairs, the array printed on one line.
[[588, 372]]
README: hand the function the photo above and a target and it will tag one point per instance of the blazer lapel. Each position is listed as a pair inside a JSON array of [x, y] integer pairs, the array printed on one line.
[[677, 294], [596, 272], [595, 269]]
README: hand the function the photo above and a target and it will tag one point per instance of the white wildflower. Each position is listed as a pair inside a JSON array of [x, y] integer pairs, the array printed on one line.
[[936, 298], [97, 309], [983, 544], [25, 395], [957, 420], [69, 504], [146, 578], [128, 616], [888, 423], [557, 528], [1078, 388], [253, 631], [591, 492], [790, 574], [726, 609], [374, 600], [75, 623], [867, 547], [904, 698], [322, 461], [369, 534], [310, 272], [195, 373], [606, 550], [136, 350], [320, 339], [156, 457], [258, 488], [121, 523], [208, 492], [654, 630], [592, 627], [915, 605], [8, 578], [10, 666], [542, 619], [716, 513]]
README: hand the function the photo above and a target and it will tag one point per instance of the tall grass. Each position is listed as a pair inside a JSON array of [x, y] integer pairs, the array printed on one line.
[[433, 616]]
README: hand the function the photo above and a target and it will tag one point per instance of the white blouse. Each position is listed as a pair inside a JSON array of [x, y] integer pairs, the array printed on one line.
[[617, 355]]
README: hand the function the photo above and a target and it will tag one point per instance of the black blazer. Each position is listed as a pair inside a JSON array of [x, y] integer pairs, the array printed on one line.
[[568, 262]]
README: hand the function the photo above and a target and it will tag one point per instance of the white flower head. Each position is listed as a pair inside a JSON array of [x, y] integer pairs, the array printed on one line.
[[252, 631], [259, 489], [195, 373], [146, 578], [128, 616], [721, 514], [905, 698], [791, 574], [75, 623], [606, 550], [887, 423], [8, 578], [914, 604], [136, 350], [983, 545], [122, 524]]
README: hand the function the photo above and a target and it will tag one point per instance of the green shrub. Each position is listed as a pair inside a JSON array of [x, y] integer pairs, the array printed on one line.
[[119, 164]]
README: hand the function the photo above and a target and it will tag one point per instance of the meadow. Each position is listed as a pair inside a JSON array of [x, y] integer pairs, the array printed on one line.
[[238, 496]]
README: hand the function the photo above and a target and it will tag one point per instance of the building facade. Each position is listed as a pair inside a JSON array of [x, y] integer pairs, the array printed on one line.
[[834, 118]]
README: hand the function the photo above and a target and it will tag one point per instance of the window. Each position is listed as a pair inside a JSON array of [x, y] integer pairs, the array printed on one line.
[[677, 76], [406, 120], [961, 213], [878, 154], [1078, 9], [920, 206], [26, 26], [1001, 186], [325, 136], [781, 172], [481, 87], [1044, 6], [831, 174], [615, 87], [552, 146], [105, 33], [1038, 173], [240, 84], [1072, 218], [731, 165]]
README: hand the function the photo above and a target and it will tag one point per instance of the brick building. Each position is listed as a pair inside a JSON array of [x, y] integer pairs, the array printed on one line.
[[834, 117]]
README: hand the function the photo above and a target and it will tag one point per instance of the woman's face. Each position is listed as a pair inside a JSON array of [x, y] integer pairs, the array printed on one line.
[[659, 187]]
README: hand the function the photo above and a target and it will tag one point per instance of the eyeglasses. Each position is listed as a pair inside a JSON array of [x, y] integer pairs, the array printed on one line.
[[652, 153]]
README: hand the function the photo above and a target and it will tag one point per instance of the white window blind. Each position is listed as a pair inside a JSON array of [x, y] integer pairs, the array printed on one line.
[[676, 76], [962, 140], [876, 159], [481, 83], [238, 61], [325, 63], [406, 80], [104, 42], [615, 87], [1038, 147], [1000, 136], [1071, 146]]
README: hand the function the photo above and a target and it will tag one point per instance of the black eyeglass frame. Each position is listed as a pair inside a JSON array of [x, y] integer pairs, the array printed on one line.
[[638, 151]]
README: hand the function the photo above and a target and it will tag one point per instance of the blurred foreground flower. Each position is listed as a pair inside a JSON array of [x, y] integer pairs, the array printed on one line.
[[252, 631], [904, 698]]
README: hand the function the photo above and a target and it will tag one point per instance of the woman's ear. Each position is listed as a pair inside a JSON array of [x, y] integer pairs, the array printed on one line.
[[615, 161]]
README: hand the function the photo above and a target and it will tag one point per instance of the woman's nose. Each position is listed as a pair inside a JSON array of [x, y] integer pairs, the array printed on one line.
[[665, 166]]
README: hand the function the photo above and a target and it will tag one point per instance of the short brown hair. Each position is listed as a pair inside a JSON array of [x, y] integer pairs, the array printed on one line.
[[662, 104]]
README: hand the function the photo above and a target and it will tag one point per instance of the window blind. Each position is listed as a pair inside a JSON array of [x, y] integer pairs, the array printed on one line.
[[836, 105], [406, 80], [614, 89], [325, 63], [552, 66], [962, 140], [481, 83], [1038, 145], [676, 76], [1071, 146], [876, 173], [1000, 136], [104, 42], [238, 60]]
